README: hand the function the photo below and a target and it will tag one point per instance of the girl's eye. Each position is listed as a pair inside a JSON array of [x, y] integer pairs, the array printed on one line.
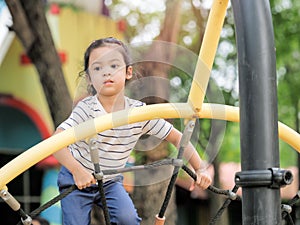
[[97, 68], [114, 66]]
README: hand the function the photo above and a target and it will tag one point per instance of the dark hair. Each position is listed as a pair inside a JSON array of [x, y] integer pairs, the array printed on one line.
[[106, 42], [102, 43]]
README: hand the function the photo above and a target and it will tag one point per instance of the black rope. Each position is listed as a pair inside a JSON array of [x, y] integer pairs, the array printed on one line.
[[53, 201], [164, 162], [169, 192], [289, 219], [103, 201], [185, 139], [99, 176], [37, 211], [178, 163], [286, 213], [230, 194], [224, 206], [294, 200], [22, 214]]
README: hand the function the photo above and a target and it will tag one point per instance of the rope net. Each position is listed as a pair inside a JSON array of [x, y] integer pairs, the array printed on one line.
[[230, 195]]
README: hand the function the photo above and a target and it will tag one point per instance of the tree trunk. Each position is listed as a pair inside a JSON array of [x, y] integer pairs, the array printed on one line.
[[148, 197], [31, 27]]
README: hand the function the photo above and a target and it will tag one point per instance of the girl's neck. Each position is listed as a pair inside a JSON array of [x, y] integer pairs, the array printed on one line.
[[112, 103]]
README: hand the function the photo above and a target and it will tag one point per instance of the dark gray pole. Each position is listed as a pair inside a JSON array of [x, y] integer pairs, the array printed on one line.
[[258, 111]]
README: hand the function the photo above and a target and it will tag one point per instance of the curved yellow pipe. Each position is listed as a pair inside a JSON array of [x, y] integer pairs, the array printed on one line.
[[87, 129], [207, 53], [231, 113]]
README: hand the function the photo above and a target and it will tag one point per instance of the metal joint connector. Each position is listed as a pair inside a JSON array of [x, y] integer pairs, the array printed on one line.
[[273, 178], [232, 195], [281, 177], [27, 221], [98, 176], [10, 200], [286, 208], [177, 162]]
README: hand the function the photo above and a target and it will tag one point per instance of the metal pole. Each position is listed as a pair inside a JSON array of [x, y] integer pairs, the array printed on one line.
[[258, 109]]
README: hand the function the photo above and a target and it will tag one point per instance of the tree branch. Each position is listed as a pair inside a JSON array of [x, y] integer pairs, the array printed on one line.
[[20, 23]]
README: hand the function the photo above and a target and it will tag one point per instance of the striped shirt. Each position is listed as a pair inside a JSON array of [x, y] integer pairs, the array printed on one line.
[[114, 145]]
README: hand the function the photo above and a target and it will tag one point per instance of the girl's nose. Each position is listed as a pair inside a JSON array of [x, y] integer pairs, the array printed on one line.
[[107, 74], [107, 71]]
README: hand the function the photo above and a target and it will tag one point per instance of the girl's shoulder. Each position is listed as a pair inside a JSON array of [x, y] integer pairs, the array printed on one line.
[[87, 103], [133, 102], [89, 100]]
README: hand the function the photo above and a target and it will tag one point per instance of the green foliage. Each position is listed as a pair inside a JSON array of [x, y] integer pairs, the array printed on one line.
[[143, 20], [230, 149], [286, 31], [286, 23], [288, 156]]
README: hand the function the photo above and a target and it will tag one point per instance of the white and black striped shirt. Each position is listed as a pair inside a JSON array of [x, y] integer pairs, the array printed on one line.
[[114, 145]]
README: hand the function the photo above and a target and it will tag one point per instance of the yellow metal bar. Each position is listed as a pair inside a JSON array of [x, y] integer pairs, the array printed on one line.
[[231, 113], [289, 136], [207, 53], [220, 112], [87, 129]]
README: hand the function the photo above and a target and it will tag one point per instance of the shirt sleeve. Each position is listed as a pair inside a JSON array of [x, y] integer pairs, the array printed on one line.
[[159, 128], [78, 115]]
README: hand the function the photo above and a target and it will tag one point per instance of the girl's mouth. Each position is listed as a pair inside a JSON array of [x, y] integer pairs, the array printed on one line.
[[108, 82]]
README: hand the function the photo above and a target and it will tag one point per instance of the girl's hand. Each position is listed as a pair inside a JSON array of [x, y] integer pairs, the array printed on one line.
[[203, 180], [83, 178]]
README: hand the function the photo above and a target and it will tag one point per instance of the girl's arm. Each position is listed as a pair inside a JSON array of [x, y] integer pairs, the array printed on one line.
[[190, 153], [81, 176]]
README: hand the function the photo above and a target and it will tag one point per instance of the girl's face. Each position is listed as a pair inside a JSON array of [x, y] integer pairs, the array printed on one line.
[[107, 71]]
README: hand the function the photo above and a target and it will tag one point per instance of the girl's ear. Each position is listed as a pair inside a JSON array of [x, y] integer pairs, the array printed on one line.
[[129, 72], [87, 77]]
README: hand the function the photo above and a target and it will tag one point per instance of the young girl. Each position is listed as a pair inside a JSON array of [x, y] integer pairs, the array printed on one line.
[[107, 66]]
